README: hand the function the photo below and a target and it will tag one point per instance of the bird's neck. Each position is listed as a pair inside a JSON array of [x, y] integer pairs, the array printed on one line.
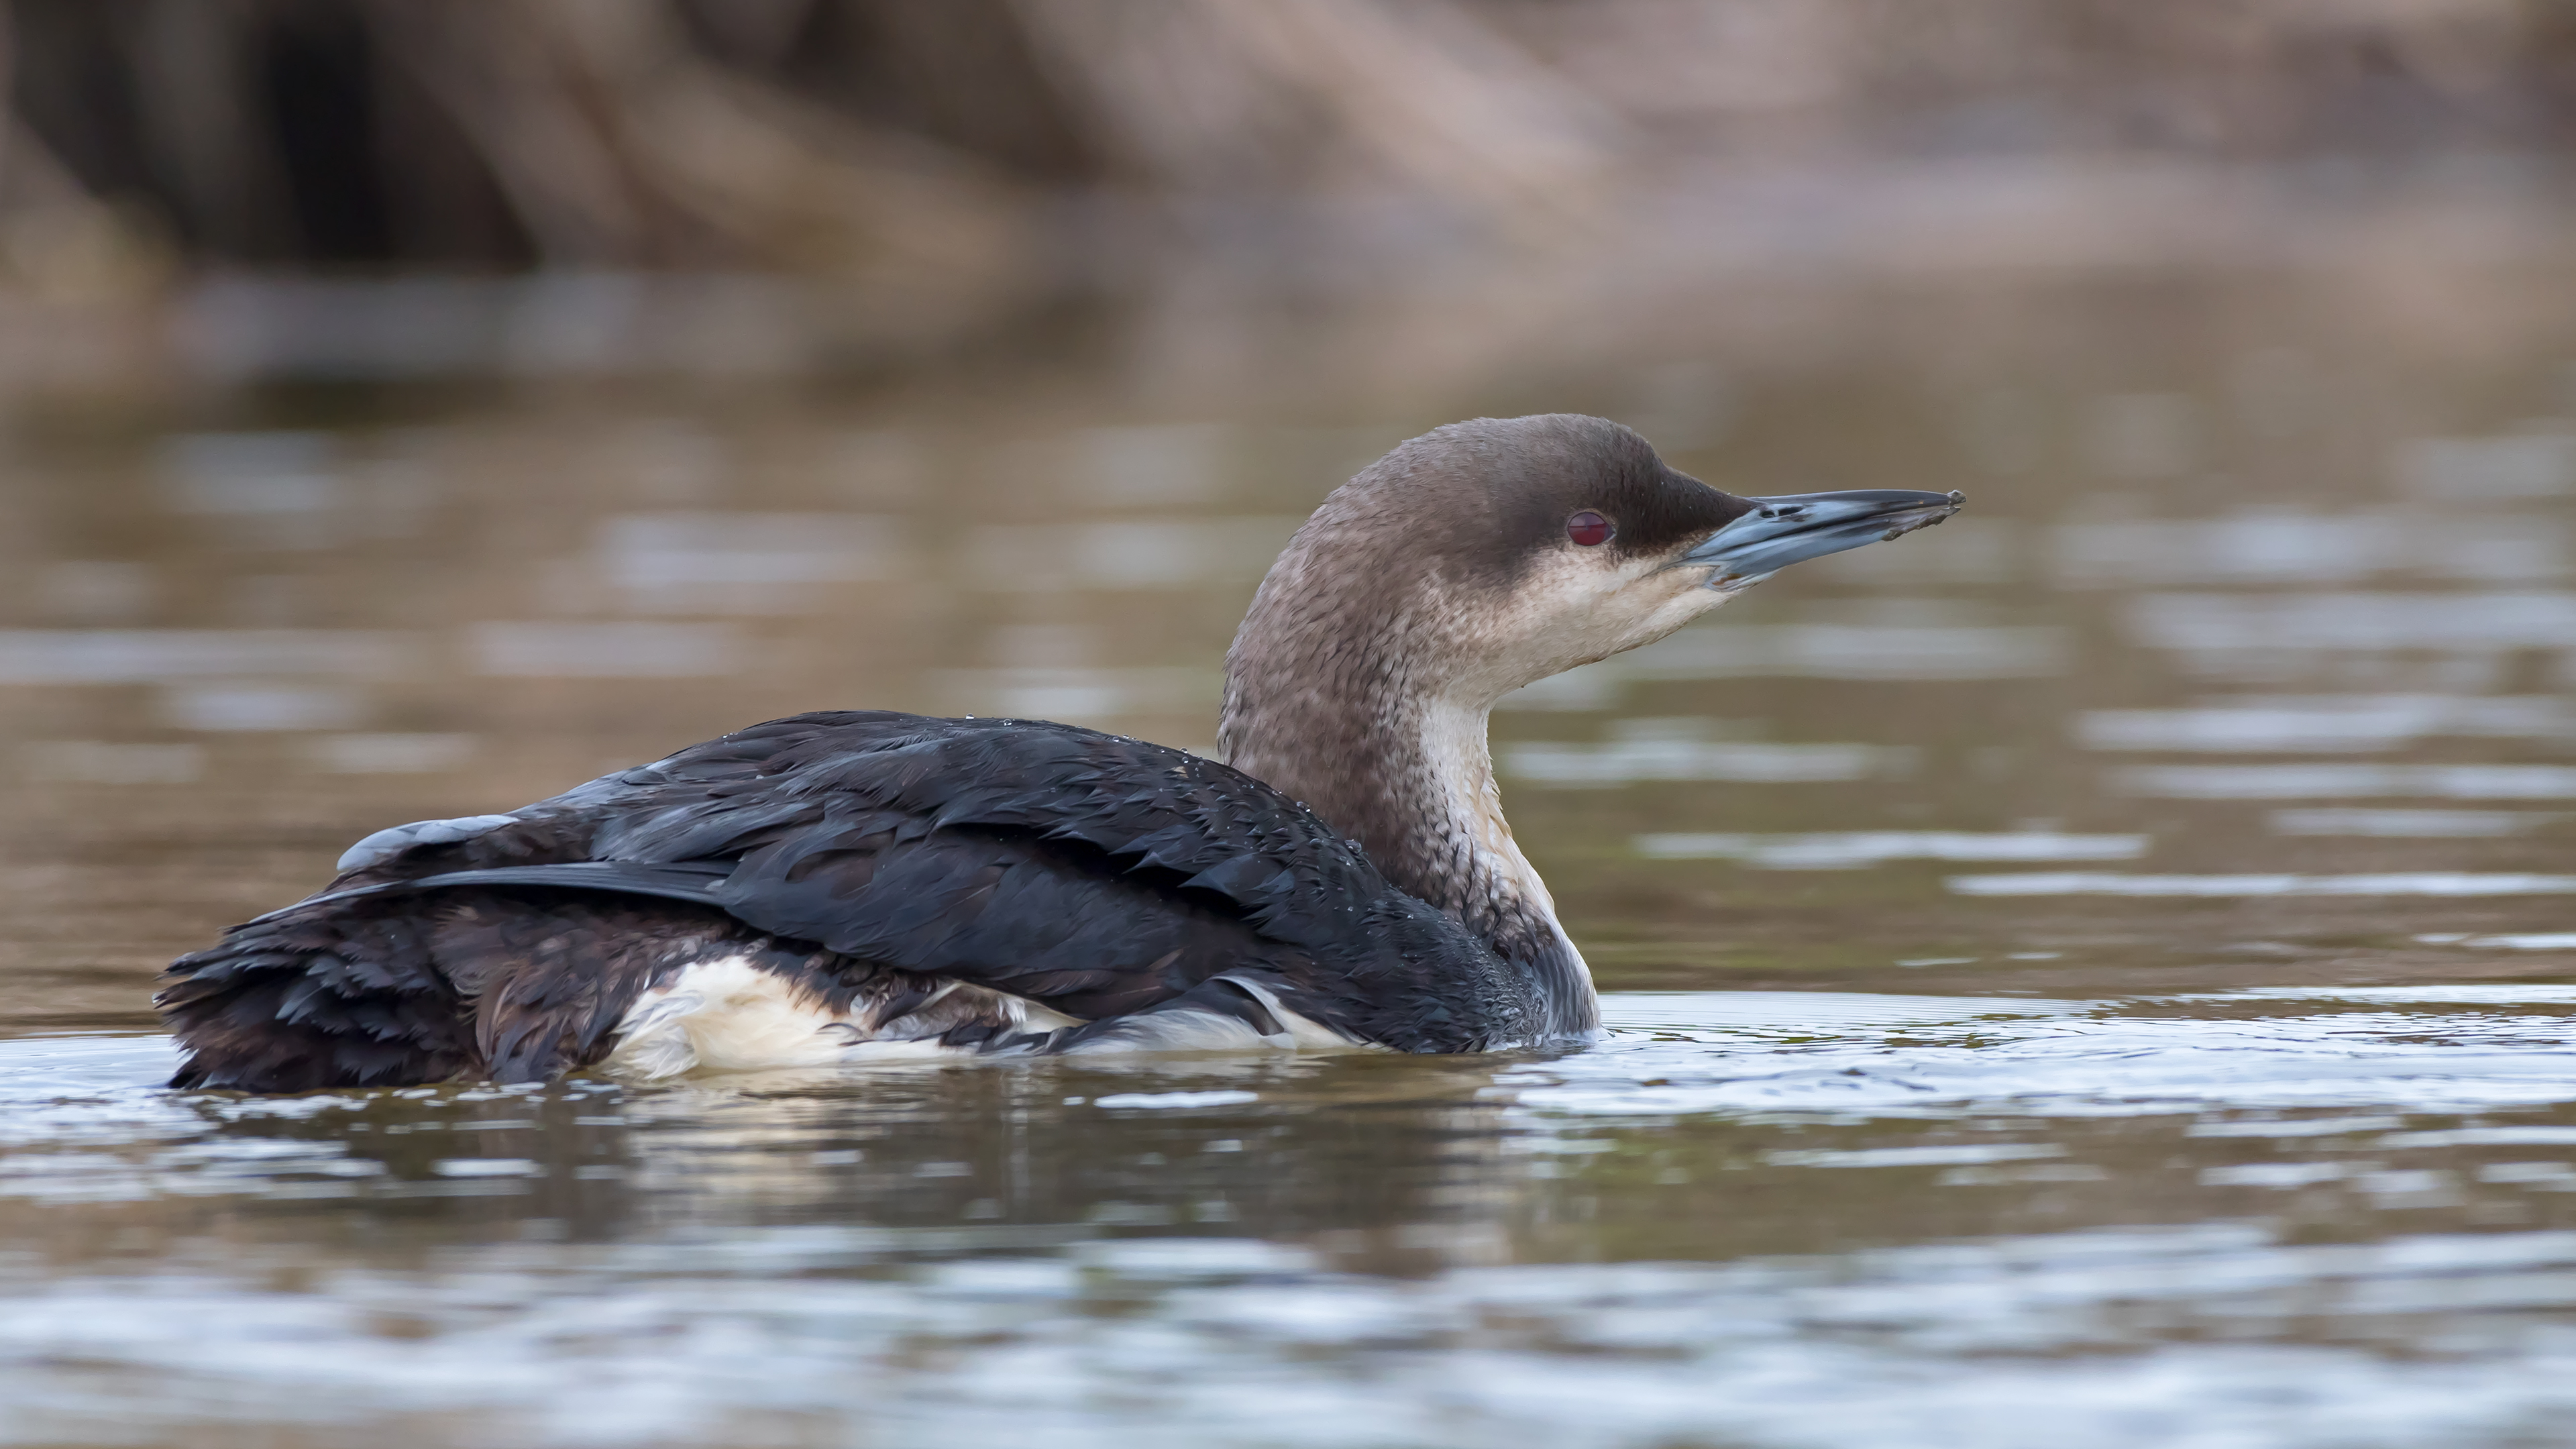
[[1406, 773]]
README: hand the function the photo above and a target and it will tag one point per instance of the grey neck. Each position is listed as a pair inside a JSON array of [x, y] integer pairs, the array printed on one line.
[[1402, 767]]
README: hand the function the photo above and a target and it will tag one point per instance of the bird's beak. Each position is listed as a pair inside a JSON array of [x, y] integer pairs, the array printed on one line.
[[1781, 531]]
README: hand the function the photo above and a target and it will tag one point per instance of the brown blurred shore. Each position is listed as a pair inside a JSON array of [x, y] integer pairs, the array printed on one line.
[[1394, 196]]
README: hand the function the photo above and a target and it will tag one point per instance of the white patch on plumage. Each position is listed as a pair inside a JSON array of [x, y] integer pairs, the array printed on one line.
[[729, 1015], [724, 1015], [651, 1042]]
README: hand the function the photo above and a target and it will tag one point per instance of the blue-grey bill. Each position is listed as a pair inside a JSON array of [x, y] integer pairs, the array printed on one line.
[[1800, 526]]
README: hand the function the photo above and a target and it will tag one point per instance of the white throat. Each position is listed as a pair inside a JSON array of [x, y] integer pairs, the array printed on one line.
[[1494, 889]]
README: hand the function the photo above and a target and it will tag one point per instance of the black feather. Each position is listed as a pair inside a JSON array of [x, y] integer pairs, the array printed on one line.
[[1098, 875]]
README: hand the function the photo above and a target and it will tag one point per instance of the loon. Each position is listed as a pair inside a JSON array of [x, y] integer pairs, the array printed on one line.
[[850, 886]]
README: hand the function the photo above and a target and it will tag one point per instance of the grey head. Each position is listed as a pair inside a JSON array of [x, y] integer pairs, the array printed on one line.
[[1468, 562], [1488, 554]]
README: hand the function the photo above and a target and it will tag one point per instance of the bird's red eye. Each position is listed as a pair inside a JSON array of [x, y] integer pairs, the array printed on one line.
[[1588, 528]]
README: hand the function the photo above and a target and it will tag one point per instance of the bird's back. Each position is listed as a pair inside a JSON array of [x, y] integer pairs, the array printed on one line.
[[1086, 886]]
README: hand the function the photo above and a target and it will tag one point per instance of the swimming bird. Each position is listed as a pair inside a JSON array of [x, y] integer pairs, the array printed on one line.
[[856, 886]]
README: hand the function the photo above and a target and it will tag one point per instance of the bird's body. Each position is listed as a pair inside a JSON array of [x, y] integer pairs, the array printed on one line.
[[845, 887]]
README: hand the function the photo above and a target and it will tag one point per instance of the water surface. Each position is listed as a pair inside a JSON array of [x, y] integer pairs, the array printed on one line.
[[2095, 972]]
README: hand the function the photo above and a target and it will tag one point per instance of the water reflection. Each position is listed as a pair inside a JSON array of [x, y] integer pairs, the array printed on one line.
[[1849, 849], [2404, 823], [2351, 782], [2326, 724], [2311, 1217], [2285, 547], [2201, 625]]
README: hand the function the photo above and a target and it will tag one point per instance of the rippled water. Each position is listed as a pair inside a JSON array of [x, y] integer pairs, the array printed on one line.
[[2313, 1218], [2093, 973]]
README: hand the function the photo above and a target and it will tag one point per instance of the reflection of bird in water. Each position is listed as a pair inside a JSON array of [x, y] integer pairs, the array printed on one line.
[[848, 886]]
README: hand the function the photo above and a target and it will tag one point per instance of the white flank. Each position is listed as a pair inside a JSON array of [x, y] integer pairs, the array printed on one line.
[[728, 1015], [724, 1015]]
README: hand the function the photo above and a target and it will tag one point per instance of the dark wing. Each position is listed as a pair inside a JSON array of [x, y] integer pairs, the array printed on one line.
[[1098, 874]]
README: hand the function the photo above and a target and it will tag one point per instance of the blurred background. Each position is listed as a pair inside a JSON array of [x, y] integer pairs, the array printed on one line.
[[411, 408], [233, 189]]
